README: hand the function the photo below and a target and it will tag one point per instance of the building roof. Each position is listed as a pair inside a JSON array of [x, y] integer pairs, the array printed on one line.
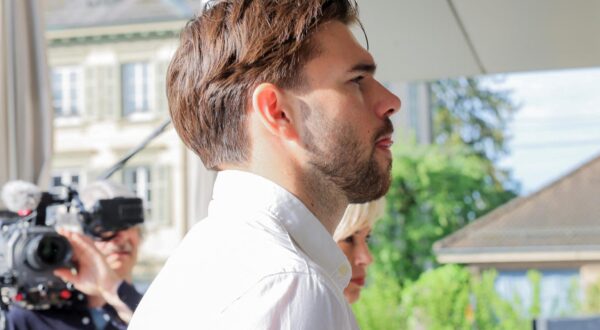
[[560, 222], [69, 14]]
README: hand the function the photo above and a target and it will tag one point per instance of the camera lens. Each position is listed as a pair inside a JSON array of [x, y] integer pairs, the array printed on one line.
[[50, 250], [47, 251]]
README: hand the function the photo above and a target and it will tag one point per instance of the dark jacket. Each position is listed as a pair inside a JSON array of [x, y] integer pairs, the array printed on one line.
[[75, 317]]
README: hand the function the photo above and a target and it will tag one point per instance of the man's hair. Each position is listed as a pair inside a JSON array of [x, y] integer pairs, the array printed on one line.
[[358, 217], [225, 52]]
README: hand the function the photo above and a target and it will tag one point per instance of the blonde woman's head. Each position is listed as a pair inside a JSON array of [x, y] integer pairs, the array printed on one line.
[[352, 237], [359, 216]]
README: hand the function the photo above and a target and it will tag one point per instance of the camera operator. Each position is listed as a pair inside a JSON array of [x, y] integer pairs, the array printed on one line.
[[103, 273]]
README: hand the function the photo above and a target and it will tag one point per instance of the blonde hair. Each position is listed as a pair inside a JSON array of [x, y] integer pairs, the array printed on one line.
[[359, 216]]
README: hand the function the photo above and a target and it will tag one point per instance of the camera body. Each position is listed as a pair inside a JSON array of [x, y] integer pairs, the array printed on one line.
[[28, 256], [31, 249]]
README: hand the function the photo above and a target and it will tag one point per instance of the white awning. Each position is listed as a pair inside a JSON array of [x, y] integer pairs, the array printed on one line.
[[430, 39]]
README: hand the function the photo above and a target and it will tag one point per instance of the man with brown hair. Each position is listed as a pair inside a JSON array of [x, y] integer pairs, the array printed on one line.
[[280, 98]]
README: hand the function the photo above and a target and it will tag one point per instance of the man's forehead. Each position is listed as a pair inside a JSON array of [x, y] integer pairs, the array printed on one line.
[[336, 41]]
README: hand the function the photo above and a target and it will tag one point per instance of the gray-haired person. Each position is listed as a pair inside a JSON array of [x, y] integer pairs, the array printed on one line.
[[104, 275]]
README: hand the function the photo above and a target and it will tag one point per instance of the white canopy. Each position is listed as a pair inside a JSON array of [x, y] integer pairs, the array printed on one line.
[[431, 39]]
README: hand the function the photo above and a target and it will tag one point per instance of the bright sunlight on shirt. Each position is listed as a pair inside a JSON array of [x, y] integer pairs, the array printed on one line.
[[260, 260]]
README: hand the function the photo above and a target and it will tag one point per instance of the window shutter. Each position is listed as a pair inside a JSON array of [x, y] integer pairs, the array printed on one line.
[[160, 76], [161, 191], [127, 81], [106, 92], [90, 92]]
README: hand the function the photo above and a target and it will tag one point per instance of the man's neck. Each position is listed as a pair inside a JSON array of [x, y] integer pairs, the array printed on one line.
[[324, 201], [317, 194]]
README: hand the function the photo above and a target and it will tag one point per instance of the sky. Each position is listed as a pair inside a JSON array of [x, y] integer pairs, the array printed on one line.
[[557, 127]]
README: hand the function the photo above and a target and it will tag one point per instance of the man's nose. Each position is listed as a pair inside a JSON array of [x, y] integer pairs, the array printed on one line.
[[388, 103], [119, 237]]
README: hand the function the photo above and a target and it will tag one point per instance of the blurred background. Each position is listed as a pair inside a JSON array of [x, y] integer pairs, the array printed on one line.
[[493, 218]]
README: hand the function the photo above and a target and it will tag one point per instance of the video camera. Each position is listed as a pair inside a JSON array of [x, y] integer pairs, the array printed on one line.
[[31, 249]]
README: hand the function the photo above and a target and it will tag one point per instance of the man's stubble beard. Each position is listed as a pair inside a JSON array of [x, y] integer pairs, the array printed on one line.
[[339, 160]]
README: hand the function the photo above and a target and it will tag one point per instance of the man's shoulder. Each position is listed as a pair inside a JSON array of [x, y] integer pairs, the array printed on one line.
[[218, 263], [240, 252], [226, 268], [255, 239]]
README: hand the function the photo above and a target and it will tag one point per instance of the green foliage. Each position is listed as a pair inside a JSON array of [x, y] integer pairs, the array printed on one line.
[[439, 300], [467, 112], [574, 299], [379, 304], [493, 312], [535, 278], [591, 302], [446, 298], [434, 192]]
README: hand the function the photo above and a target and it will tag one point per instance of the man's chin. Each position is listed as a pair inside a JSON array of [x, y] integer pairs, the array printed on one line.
[[116, 264], [385, 179], [116, 261], [378, 190]]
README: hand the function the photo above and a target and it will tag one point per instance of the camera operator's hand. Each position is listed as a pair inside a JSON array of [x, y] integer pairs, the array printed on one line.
[[93, 275]]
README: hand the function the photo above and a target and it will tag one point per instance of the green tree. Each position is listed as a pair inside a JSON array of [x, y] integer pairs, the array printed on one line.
[[379, 304], [435, 191], [591, 300], [449, 297], [439, 189], [535, 278], [470, 112]]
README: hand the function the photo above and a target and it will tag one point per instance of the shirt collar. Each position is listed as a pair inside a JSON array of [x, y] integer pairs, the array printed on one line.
[[245, 190]]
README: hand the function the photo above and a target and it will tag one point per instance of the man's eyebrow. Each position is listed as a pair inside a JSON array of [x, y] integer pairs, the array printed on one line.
[[364, 67]]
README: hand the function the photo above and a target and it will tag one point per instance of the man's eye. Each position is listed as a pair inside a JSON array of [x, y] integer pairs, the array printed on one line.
[[349, 239], [357, 80]]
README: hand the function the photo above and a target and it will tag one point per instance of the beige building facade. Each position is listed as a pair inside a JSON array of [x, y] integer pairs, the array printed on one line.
[[108, 96]]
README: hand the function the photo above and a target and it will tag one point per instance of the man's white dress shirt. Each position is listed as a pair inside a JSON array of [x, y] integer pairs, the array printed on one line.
[[260, 260]]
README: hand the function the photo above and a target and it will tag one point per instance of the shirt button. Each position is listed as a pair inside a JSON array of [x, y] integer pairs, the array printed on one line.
[[106, 317], [85, 320], [343, 270]]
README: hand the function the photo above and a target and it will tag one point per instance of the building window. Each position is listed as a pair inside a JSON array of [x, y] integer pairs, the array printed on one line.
[[139, 181], [555, 287], [152, 186], [136, 88], [67, 91], [65, 178]]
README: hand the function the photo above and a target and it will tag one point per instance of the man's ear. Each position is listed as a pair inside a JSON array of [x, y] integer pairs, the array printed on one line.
[[271, 106]]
